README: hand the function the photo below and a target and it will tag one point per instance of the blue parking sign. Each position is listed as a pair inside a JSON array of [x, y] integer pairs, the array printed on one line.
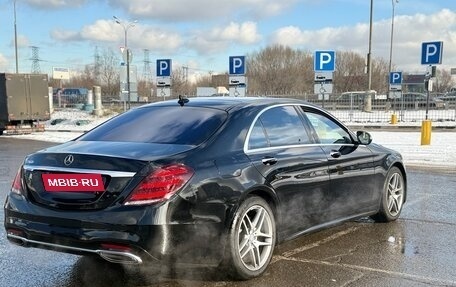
[[237, 65], [395, 78], [324, 61], [431, 53], [164, 68]]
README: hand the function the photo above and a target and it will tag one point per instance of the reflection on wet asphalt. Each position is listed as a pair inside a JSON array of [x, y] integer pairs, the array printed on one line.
[[416, 250]]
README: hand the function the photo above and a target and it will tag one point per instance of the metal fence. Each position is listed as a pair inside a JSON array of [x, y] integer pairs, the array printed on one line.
[[382, 111], [349, 109]]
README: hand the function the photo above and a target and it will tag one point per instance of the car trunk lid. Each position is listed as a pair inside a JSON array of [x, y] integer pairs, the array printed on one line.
[[90, 175]]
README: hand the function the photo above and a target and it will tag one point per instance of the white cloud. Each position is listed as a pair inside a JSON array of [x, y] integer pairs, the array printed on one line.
[[55, 4], [103, 30], [65, 35], [246, 33], [157, 39], [220, 38], [109, 31], [197, 10], [165, 41], [3, 63], [409, 33]]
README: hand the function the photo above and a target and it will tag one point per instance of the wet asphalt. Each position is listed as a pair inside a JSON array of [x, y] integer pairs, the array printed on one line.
[[419, 249]]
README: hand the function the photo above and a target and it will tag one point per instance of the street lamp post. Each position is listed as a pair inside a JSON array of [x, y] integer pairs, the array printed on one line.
[[15, 39], [392, 33], [126, 26], [393, 2], [368, 101]]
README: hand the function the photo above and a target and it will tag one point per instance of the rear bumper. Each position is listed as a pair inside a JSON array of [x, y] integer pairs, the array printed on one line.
[[131, 235], [125, 257]]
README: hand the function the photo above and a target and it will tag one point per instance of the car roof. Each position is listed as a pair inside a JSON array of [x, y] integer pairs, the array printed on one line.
[[228, 103]]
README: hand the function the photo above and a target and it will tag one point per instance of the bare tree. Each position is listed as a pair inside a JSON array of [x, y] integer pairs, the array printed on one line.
[[350, 72], [82, 79], [145, 89], [179, 83], [443, 81], [380, 70], [279, 70], [109, 73], [205, 81]]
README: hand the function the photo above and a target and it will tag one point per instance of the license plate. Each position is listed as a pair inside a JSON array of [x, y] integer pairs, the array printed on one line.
[[64, 182]]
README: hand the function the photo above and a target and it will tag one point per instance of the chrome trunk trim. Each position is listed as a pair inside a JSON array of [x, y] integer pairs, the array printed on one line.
[[111, 173]]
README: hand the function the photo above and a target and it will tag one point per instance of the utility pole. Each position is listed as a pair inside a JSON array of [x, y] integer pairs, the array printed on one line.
[[15, 39], [368, 99], [126, 26], [391, 59], [147, 73]]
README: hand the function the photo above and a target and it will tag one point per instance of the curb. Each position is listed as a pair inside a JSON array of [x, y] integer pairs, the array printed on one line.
[[352, 127], [435, 168], [401, 128]]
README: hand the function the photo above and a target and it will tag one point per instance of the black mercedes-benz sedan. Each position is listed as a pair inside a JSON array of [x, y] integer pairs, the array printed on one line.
[[214, 181]]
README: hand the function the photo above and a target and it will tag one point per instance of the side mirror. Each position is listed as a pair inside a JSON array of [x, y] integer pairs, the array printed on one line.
[[363, 137]]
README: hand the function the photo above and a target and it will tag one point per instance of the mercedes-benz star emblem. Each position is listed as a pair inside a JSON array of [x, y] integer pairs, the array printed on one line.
[[68, 159]]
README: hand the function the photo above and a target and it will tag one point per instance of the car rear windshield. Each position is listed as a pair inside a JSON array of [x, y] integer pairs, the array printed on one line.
[[166, 125]]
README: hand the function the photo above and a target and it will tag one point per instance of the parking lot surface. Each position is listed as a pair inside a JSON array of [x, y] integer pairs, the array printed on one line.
[[416, 250]]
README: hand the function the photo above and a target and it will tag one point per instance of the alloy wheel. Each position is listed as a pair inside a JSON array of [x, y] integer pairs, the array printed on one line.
[[255, 237], [395, 194]]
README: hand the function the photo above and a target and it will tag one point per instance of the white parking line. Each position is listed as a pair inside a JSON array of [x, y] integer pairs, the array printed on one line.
[[313, 245]]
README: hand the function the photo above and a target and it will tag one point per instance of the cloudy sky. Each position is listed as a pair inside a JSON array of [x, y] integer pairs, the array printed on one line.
[[202, 34]]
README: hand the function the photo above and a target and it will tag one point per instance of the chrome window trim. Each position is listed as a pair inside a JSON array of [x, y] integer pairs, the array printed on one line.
[[247, 139], [251, 151], [254, 150], [111, 173]]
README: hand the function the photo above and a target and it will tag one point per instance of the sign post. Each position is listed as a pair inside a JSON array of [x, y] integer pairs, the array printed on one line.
[[324, 66], [164, 78], [431, 54], [237, 79], [395, 86]]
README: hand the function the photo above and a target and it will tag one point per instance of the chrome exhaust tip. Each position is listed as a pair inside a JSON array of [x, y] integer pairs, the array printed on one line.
[[16, 239], [119, 257]]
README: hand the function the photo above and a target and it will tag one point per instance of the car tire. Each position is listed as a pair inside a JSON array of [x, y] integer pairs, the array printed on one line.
[[393, 196], [252, 239]]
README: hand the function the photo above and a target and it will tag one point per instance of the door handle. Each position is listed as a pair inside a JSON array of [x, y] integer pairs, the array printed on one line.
[[335, 154], [269, 160]]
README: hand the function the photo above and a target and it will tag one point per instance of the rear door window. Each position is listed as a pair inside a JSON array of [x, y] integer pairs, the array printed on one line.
[[258, 137], [278, 126]]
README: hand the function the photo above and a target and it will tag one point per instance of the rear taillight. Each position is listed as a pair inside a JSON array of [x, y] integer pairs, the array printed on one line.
[[17, 183], [160, 185]]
